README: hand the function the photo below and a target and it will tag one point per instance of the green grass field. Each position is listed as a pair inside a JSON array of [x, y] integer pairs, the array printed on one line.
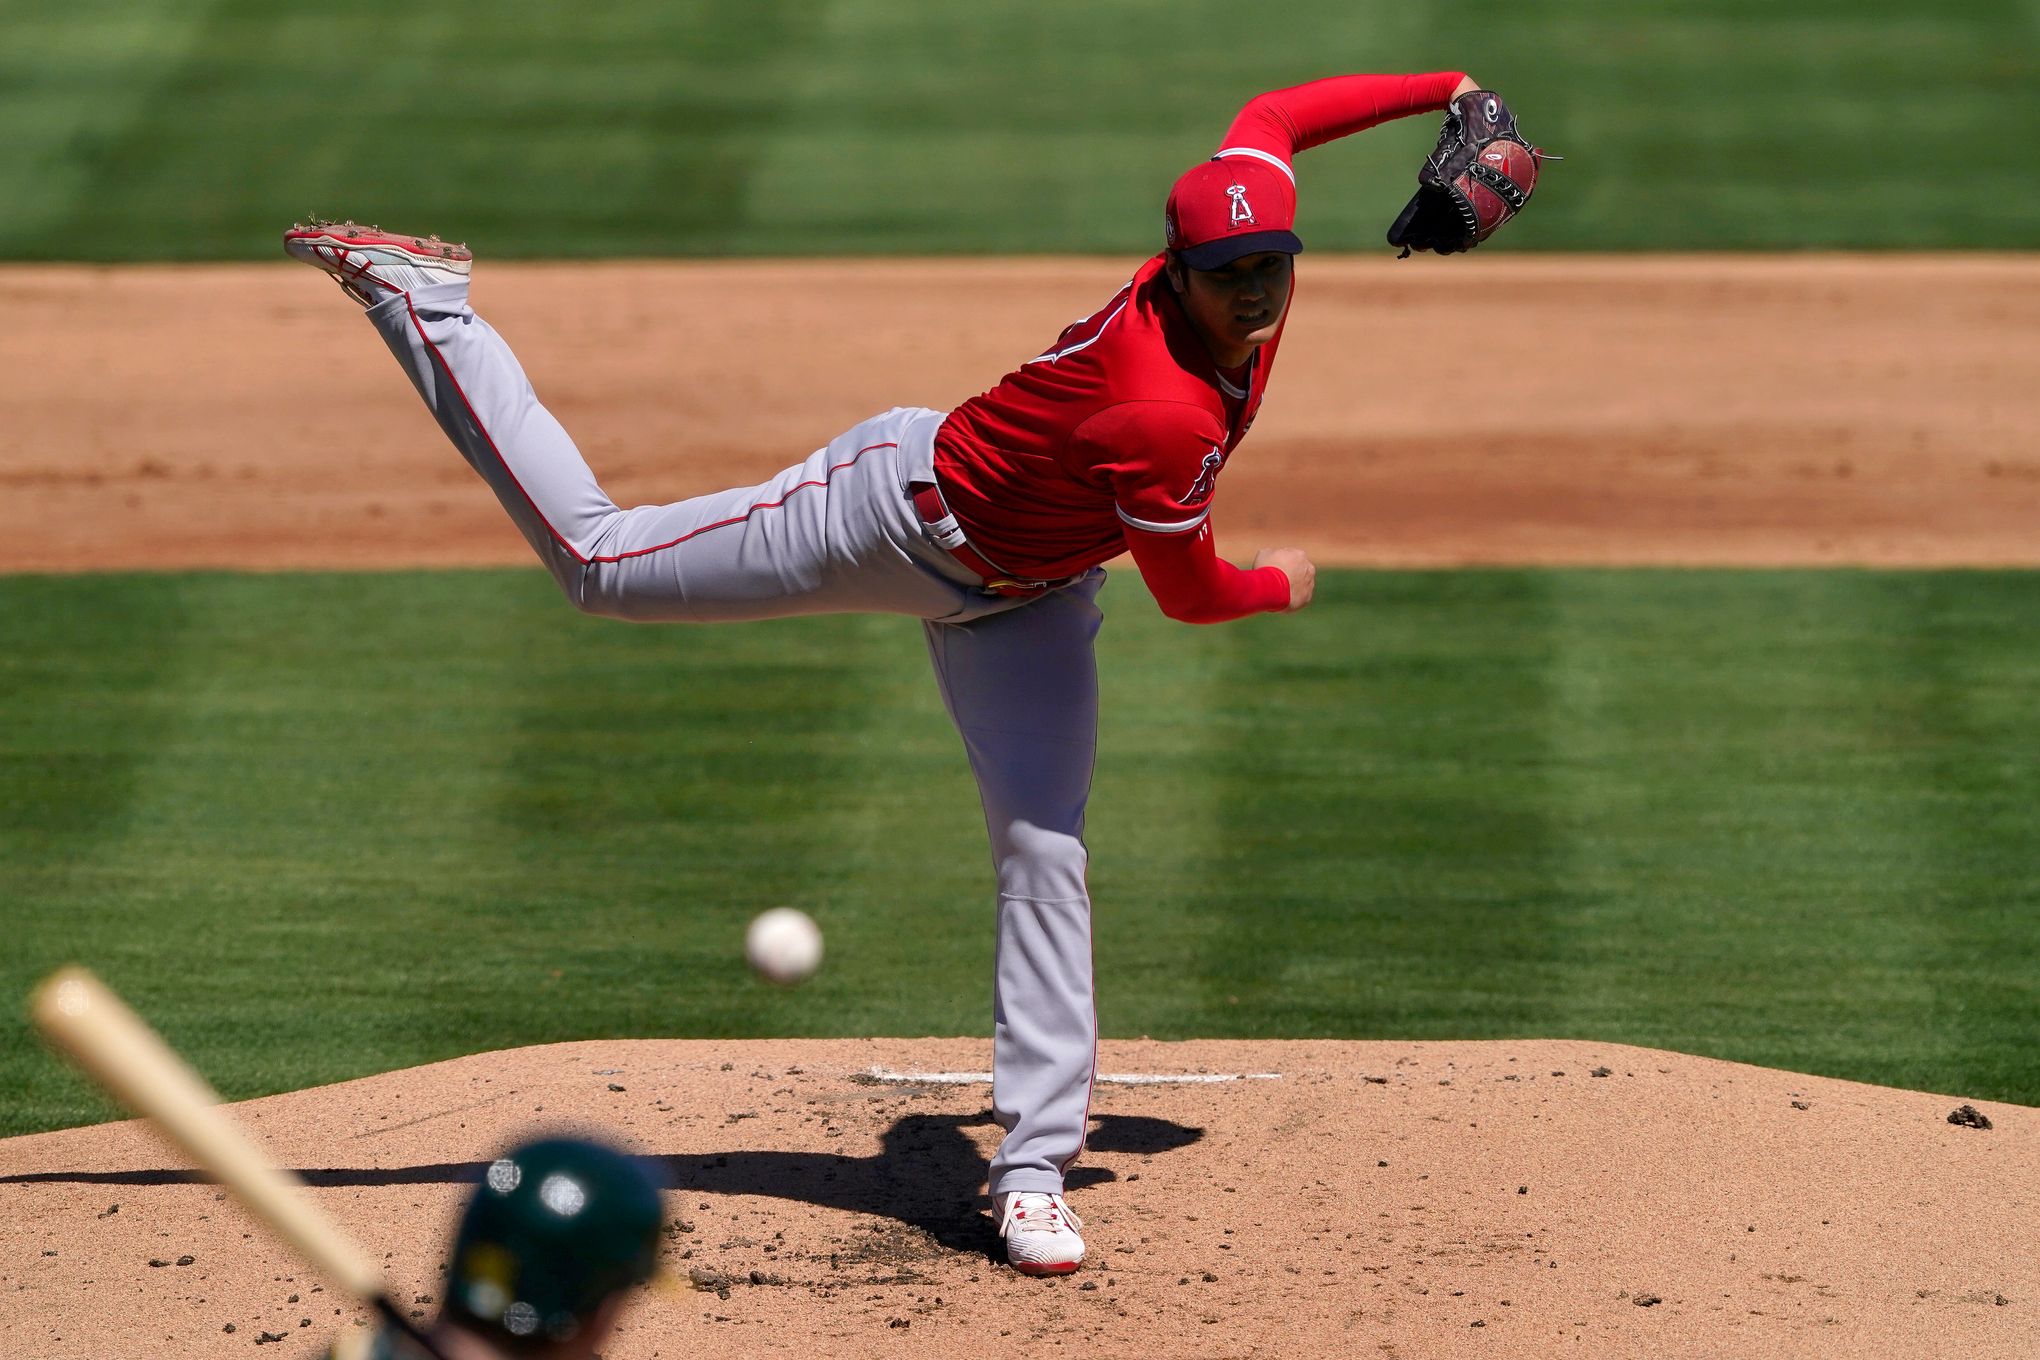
[[323, 825], [196, 129]]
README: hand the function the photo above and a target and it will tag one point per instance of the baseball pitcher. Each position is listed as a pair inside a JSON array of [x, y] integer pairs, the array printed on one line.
[[988, 523]]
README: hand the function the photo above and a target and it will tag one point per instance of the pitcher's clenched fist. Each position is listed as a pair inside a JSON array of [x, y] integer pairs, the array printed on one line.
[[1297, 566]]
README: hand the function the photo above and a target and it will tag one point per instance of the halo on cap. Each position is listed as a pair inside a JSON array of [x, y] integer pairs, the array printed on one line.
[[1229, 206]]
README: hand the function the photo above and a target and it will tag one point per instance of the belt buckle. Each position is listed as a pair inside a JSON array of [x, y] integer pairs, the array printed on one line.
[[1007, 585]]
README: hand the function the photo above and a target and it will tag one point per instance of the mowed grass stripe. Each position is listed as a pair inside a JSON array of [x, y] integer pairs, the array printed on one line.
[[1161, 819], [1737, 826], [76, 76], [308, 810], [1966, 736], [673, 781], [83, 705], [326, 825], [773, 127], [1383, 862]]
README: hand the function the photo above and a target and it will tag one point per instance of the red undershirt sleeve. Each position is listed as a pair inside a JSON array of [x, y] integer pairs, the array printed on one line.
[[1193, 584], [1284, 122]]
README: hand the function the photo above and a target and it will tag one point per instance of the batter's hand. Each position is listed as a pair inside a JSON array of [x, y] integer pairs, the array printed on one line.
[[1297, 567]]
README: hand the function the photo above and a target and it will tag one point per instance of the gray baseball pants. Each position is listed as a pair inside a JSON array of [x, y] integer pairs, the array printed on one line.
[[837, 533]]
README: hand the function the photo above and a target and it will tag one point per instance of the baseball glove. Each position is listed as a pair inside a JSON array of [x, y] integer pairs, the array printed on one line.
[[1479, 176]]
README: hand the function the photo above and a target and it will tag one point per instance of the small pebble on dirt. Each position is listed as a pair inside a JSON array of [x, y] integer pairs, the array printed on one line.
[[1088, 1285], [291, 1299], [186, 1260], [228, 1328], [614, 1087], [1602, 1072], [1522, 1189], [1210, 1278], [111, 1209], [1801, 1105], [899, 1324], [1646, 1300], [1969, 1117], [153, 1260], [268, 1338], [1375, 1081]]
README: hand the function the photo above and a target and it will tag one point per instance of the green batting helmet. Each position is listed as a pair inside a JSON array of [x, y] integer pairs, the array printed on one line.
[[556, 1227]]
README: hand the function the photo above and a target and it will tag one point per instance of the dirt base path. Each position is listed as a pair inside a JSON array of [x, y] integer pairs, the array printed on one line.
[[1368, 1199], [1838, 409]]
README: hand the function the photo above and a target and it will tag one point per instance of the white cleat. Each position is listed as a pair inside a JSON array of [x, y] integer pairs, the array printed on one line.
[[1041, 1233], [372, 264]]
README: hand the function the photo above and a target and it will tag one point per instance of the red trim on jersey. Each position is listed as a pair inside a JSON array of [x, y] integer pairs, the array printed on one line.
[[560, 538]]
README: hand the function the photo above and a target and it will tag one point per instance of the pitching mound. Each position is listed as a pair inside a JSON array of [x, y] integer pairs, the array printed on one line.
[[1242, 1198]]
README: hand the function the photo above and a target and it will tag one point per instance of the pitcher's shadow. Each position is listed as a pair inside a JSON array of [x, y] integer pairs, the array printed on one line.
[[926, 1174]]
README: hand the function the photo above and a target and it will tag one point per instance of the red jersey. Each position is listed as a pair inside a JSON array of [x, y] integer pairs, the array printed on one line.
[[1124, 423], [1113, 439]]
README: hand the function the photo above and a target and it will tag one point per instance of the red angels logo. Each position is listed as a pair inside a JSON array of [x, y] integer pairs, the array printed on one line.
[[1207, 478], [1242, 211]]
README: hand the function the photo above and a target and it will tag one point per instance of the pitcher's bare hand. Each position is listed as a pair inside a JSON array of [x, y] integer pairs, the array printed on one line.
[[1297, 567]]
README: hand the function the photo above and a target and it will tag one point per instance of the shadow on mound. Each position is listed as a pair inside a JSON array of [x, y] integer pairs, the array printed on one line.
[[927, 1174]]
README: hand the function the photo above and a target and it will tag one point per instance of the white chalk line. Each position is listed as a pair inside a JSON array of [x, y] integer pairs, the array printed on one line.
[[886, 1074]]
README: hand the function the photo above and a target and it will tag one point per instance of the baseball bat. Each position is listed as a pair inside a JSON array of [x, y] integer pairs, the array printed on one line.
[[81, 1016]]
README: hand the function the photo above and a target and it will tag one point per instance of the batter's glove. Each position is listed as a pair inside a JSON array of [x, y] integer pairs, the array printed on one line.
[[1479, 176]]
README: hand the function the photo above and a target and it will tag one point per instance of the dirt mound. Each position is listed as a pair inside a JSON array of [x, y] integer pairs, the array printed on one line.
[[1663, 409], [1290, 1199]]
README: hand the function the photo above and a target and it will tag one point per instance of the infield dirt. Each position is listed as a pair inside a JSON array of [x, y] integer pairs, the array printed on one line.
[[1717, 410], [1377, 1199]]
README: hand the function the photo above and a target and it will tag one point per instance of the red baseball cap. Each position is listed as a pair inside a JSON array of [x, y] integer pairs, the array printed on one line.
[[1232, 206]]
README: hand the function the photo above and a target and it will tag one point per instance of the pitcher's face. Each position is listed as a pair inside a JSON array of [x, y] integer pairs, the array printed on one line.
[[1239, 305]]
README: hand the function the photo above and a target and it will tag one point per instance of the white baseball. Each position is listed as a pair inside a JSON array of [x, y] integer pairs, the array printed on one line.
[[784, 946]]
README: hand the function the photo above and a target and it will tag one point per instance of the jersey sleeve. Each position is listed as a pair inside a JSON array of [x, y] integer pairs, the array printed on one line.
[[1160, 459], [1193, 584], [1277, 125]]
